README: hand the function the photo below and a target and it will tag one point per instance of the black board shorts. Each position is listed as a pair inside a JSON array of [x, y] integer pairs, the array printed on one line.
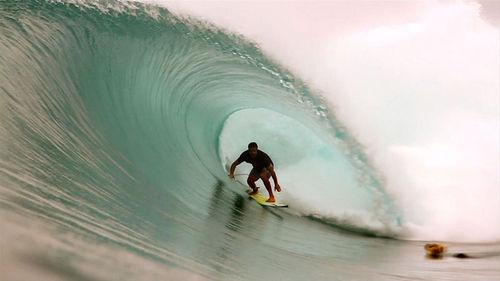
[[256, 173]]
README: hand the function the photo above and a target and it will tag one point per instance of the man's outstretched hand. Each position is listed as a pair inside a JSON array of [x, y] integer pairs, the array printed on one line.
[[231, 176], [277, 188]]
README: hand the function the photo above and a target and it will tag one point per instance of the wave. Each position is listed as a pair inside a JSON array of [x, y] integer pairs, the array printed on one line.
[[112, 110], [392, 76]]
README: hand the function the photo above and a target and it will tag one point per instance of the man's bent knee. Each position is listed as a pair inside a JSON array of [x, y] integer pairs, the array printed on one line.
[[251, 179]]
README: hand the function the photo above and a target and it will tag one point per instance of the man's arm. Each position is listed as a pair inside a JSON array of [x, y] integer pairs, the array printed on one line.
[[270, 168], [233, 167]]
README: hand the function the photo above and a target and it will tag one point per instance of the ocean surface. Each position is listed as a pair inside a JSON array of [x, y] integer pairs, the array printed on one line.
[[117, 124]]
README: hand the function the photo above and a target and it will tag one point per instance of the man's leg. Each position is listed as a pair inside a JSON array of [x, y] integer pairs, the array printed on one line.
[[265, 179], [251, 182]]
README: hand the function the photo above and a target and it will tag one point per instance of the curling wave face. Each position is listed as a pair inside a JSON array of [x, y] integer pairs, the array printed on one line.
[[117, 119]]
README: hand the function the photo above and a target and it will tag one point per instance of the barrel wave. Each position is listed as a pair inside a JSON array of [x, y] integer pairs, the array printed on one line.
[[118, 121]]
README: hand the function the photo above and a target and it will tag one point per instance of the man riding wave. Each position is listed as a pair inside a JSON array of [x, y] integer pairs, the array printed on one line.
[[263, 168]]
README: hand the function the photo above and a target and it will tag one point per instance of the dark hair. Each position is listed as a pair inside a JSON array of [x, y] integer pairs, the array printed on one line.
[[252, 144]]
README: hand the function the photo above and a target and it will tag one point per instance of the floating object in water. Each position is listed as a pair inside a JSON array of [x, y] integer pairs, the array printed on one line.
[[461, 256], [435, 250]]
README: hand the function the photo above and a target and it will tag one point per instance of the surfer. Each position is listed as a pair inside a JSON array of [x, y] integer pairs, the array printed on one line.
[[263, 168]]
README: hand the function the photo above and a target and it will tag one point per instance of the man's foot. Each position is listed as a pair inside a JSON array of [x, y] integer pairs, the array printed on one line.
[[271, 200], [253, 191]]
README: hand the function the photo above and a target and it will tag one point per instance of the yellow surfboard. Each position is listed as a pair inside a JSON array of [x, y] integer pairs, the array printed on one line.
[[261, 199]]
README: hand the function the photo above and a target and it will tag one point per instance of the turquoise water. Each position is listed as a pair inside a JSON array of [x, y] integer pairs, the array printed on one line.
[[118, 121]]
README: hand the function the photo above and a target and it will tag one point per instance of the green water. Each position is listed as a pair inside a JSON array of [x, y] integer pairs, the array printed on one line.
[[113, 117]]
